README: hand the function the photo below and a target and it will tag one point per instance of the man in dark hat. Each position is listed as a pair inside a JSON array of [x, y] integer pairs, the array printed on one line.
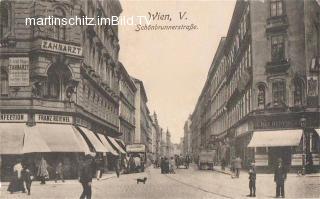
[[86, 177], [280, 176]]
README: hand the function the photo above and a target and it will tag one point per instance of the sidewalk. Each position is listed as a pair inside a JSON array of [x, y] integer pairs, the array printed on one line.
[[227, 171], [105, 176]]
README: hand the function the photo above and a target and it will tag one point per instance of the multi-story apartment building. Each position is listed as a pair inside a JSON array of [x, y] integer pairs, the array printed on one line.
[[127, 106], [58, 82], [143, 124], [261, 98]]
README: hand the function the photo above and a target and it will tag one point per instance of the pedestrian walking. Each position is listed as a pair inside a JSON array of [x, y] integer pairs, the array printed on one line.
[[59, 172], [43, 173], [86, 177], [162, 165], [237, 166], [117, 166], [252, 180], [132, 165], [16, 183], [280, 176], [27, 177], [166, 165], [99, 166], [172, 165]]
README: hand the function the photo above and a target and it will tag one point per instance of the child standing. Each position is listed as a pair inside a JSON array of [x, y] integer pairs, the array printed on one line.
[[252, 180]]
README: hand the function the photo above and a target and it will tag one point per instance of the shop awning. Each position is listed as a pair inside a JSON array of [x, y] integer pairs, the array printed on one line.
[[107, 144], [98, 146], [121, 142], [115, 144], [276, 138], [82, 141], [11, 138], [318, 131], [33, 141], [60, 137]]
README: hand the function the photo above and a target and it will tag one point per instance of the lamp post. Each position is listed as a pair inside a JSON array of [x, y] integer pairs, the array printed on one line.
[[303, 124]]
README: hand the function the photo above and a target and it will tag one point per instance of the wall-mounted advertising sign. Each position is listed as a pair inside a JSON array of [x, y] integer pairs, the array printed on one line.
[[18, 71], [13, 117], [62, 48], [58, 119]]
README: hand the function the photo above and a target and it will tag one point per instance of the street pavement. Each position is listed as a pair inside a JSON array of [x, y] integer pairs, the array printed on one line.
[[186, 183]]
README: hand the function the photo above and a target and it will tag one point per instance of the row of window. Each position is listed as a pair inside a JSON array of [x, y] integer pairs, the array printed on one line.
[[279, 93], [227, 61], [126, 91], [233, 115], [95, 103], [102, 66], [127, 113], [240, 73]]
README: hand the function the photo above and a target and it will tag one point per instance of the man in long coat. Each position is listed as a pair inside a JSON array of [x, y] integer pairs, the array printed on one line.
[[280, 175]]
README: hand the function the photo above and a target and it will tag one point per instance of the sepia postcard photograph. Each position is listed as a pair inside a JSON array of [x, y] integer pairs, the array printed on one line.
[[159, 99]]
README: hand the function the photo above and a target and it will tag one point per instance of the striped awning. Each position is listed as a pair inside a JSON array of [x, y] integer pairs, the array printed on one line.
[[96, 143], [107, 144], [116, 145]]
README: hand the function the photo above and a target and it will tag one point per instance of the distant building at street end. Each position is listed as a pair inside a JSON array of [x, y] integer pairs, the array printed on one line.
[[186, 148]]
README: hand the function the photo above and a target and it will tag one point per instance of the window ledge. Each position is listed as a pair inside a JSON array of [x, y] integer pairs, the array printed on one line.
[[277, 23], [277, 66]]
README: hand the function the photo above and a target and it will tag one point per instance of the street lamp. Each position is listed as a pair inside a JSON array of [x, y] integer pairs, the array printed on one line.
[[303, 124]]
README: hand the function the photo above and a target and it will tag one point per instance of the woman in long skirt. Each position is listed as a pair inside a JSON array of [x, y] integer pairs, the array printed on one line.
[[43, 171], [16, 183]]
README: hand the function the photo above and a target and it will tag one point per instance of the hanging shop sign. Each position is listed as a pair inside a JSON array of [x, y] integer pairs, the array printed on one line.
[[14, 117], [61, 47], [18, 71], [136, 148], [58, 119]]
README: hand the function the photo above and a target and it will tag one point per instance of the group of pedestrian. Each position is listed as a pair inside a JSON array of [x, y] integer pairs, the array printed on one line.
[[167, 165], [21, 179], [135, 164], [280, 175]]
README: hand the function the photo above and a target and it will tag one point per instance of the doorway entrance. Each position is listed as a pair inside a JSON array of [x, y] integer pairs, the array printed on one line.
[[276, 153]]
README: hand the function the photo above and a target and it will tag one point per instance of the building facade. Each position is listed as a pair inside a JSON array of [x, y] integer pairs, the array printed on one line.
[[143, 128], [186, 147], [126, 106], [263, 86], [58, 79]]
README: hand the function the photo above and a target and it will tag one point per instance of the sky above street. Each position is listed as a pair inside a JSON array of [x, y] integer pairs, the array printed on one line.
[[173, 64]]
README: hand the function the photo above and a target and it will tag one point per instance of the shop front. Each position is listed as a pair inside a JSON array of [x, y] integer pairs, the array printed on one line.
[[270, 146], [291, 137], [55, 137]]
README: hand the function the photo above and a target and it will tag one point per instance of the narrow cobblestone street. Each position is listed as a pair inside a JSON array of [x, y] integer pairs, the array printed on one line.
[[186, 183]]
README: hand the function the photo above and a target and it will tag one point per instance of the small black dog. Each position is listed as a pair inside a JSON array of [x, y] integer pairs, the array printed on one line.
[[143, 180]]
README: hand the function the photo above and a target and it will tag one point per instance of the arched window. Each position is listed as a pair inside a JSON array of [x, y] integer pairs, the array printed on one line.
[[58, 78], [279, 92], [298, 92], [4, 83], [261, 96], [4, 18], [59, 30]]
